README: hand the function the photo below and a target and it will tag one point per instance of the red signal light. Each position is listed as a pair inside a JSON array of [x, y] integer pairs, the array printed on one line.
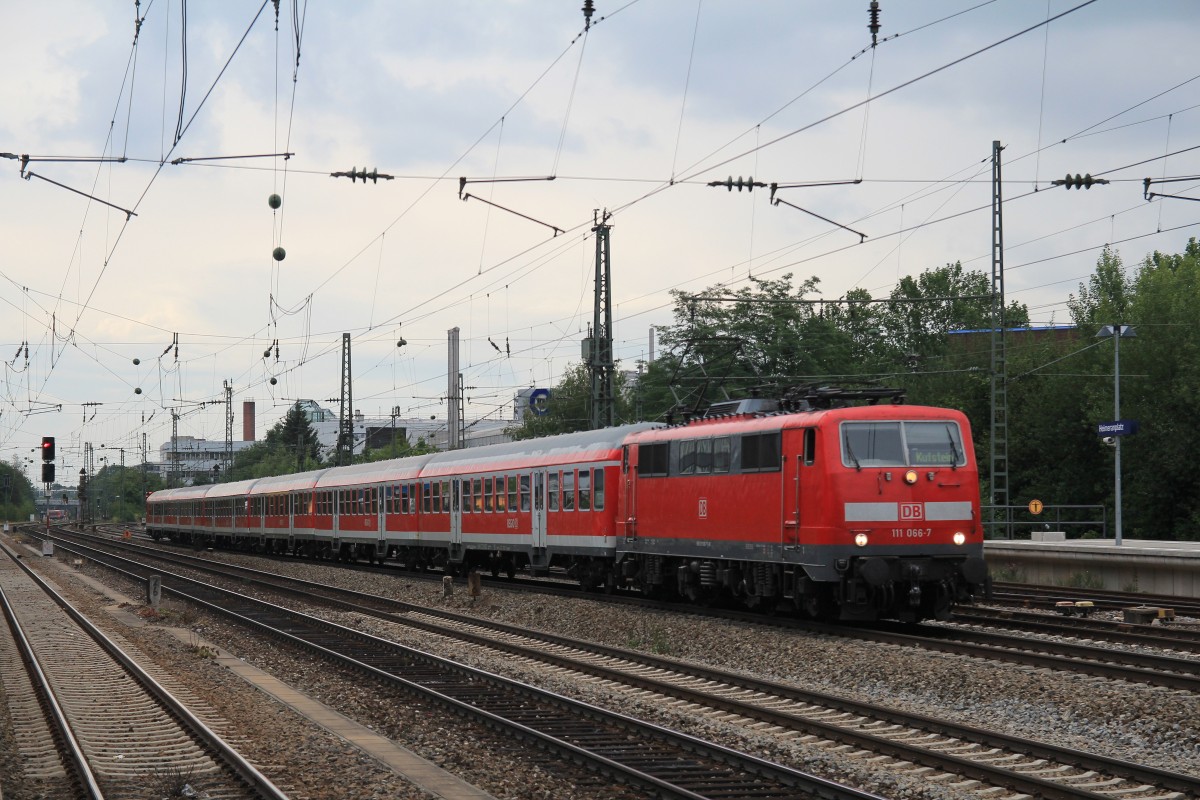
[[47, 448]]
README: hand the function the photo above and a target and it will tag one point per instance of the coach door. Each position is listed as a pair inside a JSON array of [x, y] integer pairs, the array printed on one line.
[[456, 513], [629, 486], [538, 528]]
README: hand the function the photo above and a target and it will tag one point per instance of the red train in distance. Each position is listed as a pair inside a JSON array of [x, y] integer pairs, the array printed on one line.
[[824, 507]]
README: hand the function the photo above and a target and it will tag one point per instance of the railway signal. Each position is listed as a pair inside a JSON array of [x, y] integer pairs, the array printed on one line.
[[47, 448]]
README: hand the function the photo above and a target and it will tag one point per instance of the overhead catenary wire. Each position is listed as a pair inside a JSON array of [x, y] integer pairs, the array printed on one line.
[[756, 155]]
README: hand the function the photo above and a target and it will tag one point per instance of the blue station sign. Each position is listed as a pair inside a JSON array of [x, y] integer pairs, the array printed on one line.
[[1120, 427]]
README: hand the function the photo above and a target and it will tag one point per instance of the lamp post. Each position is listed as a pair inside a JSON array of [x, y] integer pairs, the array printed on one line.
[[1117, 332]]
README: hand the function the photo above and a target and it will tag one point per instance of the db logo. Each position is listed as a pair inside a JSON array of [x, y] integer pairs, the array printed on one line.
[[912, 511], [703, 508]]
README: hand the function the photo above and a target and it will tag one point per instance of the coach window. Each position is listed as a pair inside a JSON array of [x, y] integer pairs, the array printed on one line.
[[466, 496], [501, 495], [524, 492], [760, 452], [598, 491], [568, 489], [585, 490], [553, 488], [374, 499], [488, 494], [435, 500], [512, 492], [653, 459], [810, 446], [477, 495], [687, 457], [426, 497], [721, 454]]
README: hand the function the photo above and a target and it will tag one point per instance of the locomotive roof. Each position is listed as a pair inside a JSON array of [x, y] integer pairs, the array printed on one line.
[[752, 423]]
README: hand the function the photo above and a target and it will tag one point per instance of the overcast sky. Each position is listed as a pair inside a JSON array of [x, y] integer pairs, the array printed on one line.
[[635, 116]]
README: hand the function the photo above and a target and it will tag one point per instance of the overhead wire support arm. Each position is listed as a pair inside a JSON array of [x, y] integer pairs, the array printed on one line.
[[780, 201], [128, 214], [1149, 195], [468, 196], [811, 184], [284, 156], [463, 181], [27, 159]]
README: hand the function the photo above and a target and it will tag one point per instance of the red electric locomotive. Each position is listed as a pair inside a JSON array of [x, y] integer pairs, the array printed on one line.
[[854, 512], [835, 510]]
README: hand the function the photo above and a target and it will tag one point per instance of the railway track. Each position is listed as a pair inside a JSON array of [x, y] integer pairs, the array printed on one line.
[[93, 723], [1029, 596], [1005, 761], [1169, 671], [662, 762], [1174, 637]]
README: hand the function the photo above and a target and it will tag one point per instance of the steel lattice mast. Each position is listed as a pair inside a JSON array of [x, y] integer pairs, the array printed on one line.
[[999, 430], [345, 439], [599, 347]]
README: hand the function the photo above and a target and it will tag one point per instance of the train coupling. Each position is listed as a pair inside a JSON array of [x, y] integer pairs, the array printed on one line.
[[914, 595]]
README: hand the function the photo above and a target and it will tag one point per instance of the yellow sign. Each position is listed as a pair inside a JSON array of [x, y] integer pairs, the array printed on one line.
[[1035, 506]]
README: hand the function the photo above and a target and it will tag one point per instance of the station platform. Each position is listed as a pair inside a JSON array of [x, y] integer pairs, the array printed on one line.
[[1136, 565]]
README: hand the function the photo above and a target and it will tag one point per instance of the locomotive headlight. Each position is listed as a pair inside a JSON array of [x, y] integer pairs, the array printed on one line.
[[959, 537], [910, 477], [860, 539]]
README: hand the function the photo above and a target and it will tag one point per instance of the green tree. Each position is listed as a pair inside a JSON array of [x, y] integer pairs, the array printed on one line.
[[291, 445], [17, 499], [569, 408], [118, 493], [399, 449]]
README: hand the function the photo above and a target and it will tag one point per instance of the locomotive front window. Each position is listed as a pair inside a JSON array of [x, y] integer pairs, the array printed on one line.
[[872, 444], [934, 444], [902, 444]]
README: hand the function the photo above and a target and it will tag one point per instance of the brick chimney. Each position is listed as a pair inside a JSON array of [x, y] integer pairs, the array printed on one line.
[[248, 421]]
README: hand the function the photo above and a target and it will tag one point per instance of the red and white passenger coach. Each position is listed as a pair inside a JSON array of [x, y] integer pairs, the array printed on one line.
[[851, 512]]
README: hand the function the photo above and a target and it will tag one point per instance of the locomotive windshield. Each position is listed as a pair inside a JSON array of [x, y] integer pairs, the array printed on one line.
[[902, 444]]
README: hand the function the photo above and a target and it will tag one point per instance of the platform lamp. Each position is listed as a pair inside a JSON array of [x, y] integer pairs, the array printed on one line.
[[1117, 332]]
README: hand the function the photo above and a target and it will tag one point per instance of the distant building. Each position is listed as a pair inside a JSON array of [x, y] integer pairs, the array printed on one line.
[[191, 457]]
